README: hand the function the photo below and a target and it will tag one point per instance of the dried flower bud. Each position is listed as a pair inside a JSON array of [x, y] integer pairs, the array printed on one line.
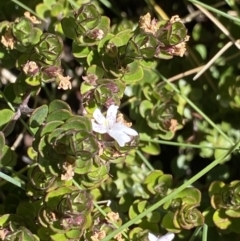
[[148, 25], [96, 34], [90, 79], [114, 217], [98, 235], [109, 102], [111, 50], [7, 40], [72, 221], [52, 71], [30, 68], [175, 19], [3, 233], [64, 82], [179, 49], [69, 172], [118, 237], [121, 120], [172, 125], [113, 87], [32, 18]]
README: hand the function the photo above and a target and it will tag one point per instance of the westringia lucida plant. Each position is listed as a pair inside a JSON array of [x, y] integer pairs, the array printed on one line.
[[78, 158]]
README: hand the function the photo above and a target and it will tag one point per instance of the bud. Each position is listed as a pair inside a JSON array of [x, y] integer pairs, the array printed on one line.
[[30, 68]]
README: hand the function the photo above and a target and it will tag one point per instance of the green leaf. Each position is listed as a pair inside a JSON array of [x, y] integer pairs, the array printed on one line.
[[151, 148], [6, 116], [150, 76], [121, 38], [93, 58], [219, 152], [68, 26], [50, 127], [56, 9], [33, 80], [145, 107], [78, 123], [2, 143], [10, 94], [167, 136], [26, 209], [135, 73], [88, 18], [42, 9], [49, 47], [174, 39], [21, 87], [153, 217], [96, 70], [6, 218], [133, 211], [85, 88], [54, 197], [142, 205], [206, 152], [80, 51], [43, 233], [73, 234], [9, 157], [221, 220], [22, 31], [168, 224], [208, 215], [54, 134], [104, 24], [202, 50], [38, 117], [233, 213], [36, 35], [190, 195], [58, 105], [234, 227], [215, 187], [163, 55], [60, 115], [49, 3], [103, 42], [125, 202], [179, 29], [83, 167], [151, 181], [59, 236], [137, 233]]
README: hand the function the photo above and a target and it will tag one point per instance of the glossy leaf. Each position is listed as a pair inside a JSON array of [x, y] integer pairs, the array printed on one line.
[[6, 116], [58, 104], [9, 157], [38, 117]]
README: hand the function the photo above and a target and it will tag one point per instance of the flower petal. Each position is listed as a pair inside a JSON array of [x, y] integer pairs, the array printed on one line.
[[127, 130], [152, 237], [112, 115], [119, 136], [166, 237], [99, 128], [98, 116]]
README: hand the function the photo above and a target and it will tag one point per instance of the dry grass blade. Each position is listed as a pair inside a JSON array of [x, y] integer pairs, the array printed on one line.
[[227, 46]]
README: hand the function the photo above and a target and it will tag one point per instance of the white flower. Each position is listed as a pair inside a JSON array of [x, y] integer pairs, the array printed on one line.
[[120, 132], [166, 237]]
